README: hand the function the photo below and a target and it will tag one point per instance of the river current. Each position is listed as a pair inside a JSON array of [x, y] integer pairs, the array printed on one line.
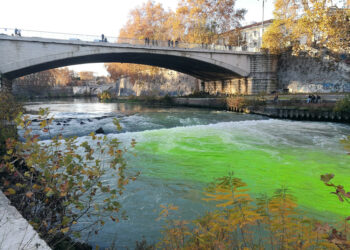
[[180, 150]]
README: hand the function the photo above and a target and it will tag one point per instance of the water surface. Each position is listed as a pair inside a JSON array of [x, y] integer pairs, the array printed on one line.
[[180, 150]]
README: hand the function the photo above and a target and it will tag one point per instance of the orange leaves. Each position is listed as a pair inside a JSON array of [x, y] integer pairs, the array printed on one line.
[[166, 210], [243, 223], [308, 26], [29, 194]]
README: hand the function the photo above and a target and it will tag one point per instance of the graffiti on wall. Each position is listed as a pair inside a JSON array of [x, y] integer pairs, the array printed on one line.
[[296, 87]]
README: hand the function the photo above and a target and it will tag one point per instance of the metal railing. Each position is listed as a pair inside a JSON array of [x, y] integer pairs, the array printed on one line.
[[121, 40]]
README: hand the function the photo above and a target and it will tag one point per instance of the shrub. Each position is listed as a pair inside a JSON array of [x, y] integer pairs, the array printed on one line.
[[242, 222], [9, 109], [343, 105], [58, 183], [105, 96], [236, 102]]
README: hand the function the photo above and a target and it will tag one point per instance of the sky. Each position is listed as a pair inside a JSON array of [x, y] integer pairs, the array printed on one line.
[[92, 17]]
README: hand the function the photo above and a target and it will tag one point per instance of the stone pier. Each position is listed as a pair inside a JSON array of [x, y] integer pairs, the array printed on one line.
[[5, 84], [262, 79]]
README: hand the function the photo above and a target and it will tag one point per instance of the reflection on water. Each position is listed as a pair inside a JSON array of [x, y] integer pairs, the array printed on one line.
[[181, 150]]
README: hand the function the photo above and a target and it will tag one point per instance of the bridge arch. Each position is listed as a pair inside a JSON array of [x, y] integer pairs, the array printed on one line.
[[31, 55]]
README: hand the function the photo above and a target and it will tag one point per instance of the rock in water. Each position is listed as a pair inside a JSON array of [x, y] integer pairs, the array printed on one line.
[[100, 131]]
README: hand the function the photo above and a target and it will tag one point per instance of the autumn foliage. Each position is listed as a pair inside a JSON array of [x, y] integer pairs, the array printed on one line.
[[243, 222], [309, 26], [194, 21], [58, 183]]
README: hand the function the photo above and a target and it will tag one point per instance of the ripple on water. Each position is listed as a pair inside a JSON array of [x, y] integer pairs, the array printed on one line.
[[180, 151]]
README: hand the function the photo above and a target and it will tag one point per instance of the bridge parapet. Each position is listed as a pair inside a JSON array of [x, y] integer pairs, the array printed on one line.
[[122, 40]]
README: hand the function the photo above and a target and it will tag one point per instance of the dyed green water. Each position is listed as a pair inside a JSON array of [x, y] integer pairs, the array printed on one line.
[[261, 153], [180, 151]]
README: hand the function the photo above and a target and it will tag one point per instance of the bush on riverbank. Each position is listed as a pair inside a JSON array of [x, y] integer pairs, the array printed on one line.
[[58, 183], [105, 96], [343, 105], [9, 109], [246, 223], [238, 103]]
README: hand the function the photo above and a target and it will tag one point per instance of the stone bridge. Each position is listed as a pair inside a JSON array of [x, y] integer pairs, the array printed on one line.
[[20, 56]]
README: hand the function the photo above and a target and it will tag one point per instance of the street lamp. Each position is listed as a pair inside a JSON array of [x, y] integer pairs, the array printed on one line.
[[262, 23]]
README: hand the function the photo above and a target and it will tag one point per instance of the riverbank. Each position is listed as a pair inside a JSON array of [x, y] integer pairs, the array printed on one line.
[[294, 107]]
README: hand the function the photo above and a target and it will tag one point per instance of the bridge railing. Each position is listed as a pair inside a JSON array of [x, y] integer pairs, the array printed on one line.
[[120, 40]]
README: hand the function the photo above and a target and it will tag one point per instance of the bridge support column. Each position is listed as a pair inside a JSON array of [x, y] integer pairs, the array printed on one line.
[[263, 74], [5, 84]]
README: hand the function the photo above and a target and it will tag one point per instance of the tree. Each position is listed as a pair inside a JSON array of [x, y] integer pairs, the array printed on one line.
[[146, 21], [204, 20], [58, 183], [310, 26], [86, 75], [194, 21], [51, 77], [62, 76]]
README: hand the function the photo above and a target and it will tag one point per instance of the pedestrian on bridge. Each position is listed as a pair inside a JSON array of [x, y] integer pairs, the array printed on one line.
[[168, 43], [102, 38]]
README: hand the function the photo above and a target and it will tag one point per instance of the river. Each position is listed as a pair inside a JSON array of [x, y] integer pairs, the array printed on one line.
[[180, 150]]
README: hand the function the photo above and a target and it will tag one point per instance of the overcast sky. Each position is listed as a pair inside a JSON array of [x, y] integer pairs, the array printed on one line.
[[92, 16]]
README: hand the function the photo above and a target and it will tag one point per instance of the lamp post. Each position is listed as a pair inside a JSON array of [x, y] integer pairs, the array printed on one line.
[[262, 22]]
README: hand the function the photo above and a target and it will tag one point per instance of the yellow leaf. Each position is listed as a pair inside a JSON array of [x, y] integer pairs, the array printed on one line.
[[11, 191], [65, 230]]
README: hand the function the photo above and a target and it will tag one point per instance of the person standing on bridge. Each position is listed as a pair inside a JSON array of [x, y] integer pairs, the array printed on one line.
[[102, 38]]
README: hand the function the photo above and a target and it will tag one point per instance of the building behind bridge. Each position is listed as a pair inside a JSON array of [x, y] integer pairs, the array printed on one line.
[[248, 37]]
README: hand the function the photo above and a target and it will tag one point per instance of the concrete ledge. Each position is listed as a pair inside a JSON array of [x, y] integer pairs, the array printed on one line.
[[15, 231]]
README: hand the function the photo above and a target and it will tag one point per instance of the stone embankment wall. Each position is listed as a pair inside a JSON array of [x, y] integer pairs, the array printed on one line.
[[60, 91], [168, 82], [296, 74], [281, 110], [301, 114], [310, 75]]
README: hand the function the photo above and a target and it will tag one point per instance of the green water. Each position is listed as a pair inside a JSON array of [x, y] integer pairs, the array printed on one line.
[[179, 151], [201, 154]]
